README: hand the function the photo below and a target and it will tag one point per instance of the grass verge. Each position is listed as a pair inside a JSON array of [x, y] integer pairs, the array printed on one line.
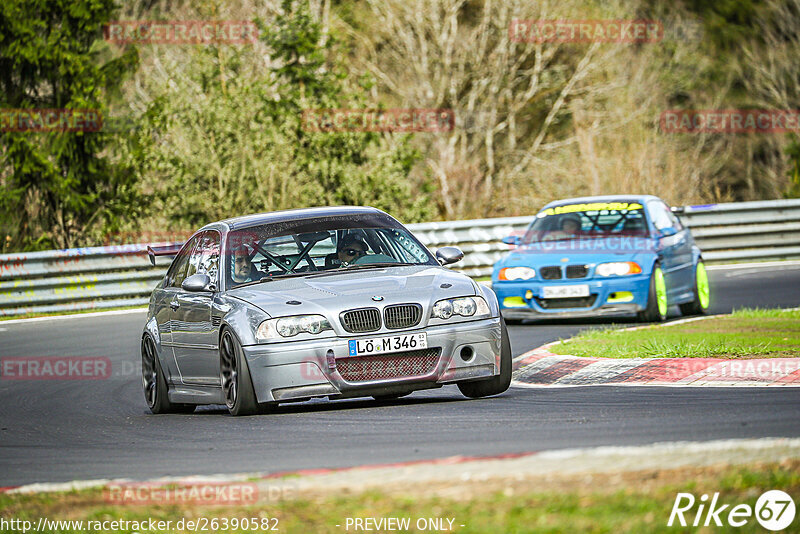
[[746, 333], [625, 502]]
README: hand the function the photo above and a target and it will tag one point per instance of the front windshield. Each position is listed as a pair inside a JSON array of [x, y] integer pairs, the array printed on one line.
[[587, 221], [257, 254]]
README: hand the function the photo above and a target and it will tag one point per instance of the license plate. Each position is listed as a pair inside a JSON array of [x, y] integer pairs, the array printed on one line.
[[560, 292], [381, 345]]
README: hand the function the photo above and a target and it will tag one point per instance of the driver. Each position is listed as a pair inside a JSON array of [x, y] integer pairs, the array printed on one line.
[[569, 226], [242, 270], [350, 248]]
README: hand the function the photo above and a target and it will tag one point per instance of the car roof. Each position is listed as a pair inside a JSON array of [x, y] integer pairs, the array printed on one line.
[[277, 217], [601, 198]]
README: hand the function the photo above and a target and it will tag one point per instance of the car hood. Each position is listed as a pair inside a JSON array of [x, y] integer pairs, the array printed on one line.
[[332, 293]]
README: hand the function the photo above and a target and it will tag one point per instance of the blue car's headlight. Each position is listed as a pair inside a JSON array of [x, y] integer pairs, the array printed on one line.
[[283, 327], [618, 268], [474, 307], [516, 273]]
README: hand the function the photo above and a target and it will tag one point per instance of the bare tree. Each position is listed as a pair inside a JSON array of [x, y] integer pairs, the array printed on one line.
[[511, 97]]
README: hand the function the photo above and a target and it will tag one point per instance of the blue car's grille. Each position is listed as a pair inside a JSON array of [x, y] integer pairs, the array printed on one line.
[[552, 272], [577, 271], [571, 302], [361, 320], [402, 315]]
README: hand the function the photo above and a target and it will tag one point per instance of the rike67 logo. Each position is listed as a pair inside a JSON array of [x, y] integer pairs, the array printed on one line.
[[774, 510]]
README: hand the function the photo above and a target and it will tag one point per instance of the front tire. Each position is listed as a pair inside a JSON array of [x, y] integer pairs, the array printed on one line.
[[702, 293], [657, 304], [496, 384], [237, 387], [154, 384]]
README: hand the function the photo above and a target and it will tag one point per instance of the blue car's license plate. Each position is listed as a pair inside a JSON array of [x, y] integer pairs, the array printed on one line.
[[381, 345]]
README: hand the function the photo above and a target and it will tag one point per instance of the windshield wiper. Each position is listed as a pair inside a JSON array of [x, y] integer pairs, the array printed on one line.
[[376, 264], [274, 277], [327, 272], [285, 275]]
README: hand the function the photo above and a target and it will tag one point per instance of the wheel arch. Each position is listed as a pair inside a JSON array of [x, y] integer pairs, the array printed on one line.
[[697, 255], [491, 298], [151, 330], [243, 319]]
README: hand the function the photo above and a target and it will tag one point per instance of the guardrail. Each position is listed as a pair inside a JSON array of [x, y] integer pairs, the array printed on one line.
[[106, 277]]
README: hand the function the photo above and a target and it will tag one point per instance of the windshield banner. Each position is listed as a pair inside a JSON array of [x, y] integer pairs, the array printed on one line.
[[594, 206]]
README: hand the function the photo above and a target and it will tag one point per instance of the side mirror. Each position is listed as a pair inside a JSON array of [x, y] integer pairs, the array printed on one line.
[[512, 240], [666, 232], [197, 283], [448, 255]]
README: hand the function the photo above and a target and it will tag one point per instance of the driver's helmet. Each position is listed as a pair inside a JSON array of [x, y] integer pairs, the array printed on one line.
[[571, 218]]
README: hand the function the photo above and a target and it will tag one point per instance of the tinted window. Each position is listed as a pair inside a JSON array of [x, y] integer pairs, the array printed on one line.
[[662, 217], [676, 222], [177, 271], [256, 253], [204, 259], [587, 221]]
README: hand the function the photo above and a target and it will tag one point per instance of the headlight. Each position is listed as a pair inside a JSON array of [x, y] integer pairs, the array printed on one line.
[[618, 268], [464, 306], [516, 273], [281, 327]]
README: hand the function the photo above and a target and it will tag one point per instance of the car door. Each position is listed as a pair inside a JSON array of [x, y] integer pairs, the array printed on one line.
[[163, 312], [194, 336], [675, 247], [685, 259]]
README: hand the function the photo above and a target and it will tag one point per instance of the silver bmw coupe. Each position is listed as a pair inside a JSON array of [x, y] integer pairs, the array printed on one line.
[[324, 302]]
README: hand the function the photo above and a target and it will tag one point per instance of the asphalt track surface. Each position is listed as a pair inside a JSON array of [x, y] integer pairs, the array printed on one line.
[[57, 431]]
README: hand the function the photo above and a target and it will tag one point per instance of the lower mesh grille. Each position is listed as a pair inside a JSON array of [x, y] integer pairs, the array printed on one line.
[[572, 302], [398, 365]]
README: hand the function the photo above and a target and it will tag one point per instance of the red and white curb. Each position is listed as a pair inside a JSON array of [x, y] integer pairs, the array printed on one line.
[[457, 470], [540, 367]]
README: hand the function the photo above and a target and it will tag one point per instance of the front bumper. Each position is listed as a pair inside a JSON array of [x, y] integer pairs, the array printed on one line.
[[298, 370], [612, 296]]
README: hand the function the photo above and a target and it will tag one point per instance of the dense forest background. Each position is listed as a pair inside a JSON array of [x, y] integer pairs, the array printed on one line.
[[196, 133]]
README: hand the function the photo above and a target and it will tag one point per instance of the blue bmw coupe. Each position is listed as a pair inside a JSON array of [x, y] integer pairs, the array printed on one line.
[[602, 255]]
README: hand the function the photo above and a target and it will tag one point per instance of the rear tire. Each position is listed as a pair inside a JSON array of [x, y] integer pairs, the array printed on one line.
[[702, 293], [497, 384], [657, 304], [154, 384], [237, 387]]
